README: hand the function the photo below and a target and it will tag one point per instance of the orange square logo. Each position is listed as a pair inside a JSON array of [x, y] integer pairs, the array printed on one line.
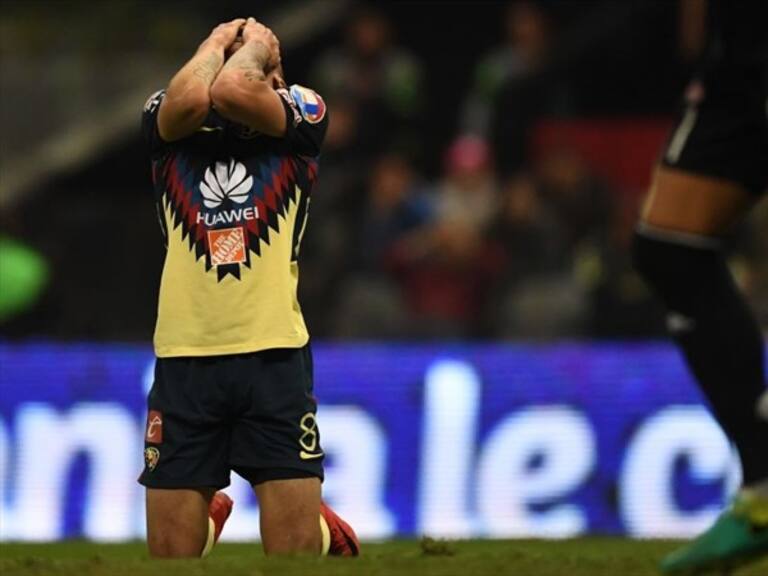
[[227, 246], [154, 427]]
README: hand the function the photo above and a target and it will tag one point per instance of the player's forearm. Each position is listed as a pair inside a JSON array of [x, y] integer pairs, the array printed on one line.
[[188, 99], [241, 92], [249, 64]]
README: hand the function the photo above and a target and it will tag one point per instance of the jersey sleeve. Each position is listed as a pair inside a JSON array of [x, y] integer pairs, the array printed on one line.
[[149, 128], [307, 119]]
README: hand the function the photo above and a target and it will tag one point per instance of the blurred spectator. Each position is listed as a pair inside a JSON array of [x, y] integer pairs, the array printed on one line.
[[395, 207], [467, 194], [614, 299], [447, 270], [446, 276], [522, 54], [559, 248], [619, 300], [515, 85], [581, 202], [527, 232], [382, 79], [536, 296], [395, 211]]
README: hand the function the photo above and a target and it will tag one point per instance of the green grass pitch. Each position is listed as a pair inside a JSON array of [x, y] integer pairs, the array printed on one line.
[[579, 557]]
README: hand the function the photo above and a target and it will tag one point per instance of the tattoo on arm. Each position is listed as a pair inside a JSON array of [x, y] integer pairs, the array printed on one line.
[[254, 75], [252, 59], [208, 68]]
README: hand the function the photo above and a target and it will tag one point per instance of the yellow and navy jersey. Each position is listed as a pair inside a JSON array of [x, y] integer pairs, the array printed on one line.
[[233, 205]]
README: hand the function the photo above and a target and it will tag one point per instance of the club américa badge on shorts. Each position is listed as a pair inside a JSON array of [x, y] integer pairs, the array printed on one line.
[[153, 435], [310, 104], [151, 457]]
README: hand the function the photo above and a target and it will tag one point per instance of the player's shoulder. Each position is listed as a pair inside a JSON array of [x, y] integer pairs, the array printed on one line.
[[307, 105]]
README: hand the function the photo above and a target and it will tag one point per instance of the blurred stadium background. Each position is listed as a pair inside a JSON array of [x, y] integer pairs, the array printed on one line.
[[488, 363]]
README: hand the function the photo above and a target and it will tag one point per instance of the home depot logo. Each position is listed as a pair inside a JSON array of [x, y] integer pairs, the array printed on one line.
[[227, 246]]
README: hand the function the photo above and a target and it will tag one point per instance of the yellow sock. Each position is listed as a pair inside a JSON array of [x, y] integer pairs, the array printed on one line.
[[326, 532], [209, 542]]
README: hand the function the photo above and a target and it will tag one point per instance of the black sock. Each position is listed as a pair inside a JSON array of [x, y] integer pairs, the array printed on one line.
[[718, 334]]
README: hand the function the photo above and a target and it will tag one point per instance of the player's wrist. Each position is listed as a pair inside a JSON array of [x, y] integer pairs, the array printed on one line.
[[260, 52], [214, 44]]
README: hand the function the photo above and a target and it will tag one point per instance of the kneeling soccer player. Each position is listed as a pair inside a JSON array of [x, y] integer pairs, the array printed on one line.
[[234, 158]]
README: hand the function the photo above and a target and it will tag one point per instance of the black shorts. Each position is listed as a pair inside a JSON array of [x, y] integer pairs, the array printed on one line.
[[251, 413], [722, 129]]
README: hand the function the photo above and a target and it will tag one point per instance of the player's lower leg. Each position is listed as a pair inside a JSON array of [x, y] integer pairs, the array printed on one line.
[[723, 347], [290, 523], [218, 512], [177, 521]]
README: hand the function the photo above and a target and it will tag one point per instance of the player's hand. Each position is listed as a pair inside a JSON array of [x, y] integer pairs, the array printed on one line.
[[256, 31], [224, 35]]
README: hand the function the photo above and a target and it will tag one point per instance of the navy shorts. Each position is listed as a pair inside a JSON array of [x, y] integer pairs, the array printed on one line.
[[722, 127], [249, 413]]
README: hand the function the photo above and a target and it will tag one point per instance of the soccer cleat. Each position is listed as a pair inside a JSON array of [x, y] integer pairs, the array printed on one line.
[[218, 512], [739, 536], [344, 541]]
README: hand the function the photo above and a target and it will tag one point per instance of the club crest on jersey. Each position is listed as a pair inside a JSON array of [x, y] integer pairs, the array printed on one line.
[[151, 457], [310, 104]]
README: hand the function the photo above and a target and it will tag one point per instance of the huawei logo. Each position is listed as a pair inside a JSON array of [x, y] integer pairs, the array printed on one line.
[[225, 181]]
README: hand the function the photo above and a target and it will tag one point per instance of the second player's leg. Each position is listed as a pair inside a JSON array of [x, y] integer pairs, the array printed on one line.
[[689, 203], [290, 516], [677, 251], [177, 522]]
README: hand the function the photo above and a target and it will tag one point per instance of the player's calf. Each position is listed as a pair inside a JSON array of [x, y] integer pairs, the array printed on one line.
[[177, 522], [288, 509], [716, 331]]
